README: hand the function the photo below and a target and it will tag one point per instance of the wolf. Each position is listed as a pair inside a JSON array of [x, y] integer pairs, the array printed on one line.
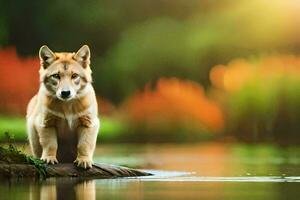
[[62, 118]]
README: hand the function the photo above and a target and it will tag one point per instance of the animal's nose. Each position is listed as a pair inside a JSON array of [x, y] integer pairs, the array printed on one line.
[[65, 94]]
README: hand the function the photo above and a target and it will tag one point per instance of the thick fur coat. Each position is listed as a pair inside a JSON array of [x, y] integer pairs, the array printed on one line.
[[62, 118]]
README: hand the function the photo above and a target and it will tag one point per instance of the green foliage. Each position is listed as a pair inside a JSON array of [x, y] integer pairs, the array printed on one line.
[[12, 155], [111, 129], [166, 46], [136, 42], [265, 110], [3, 24]]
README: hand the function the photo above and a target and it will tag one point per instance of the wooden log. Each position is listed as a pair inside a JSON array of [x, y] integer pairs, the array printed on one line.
[[69, 170]]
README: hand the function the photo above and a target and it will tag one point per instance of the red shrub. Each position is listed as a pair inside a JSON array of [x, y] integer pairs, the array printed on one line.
[[177, 101], [19, 81]]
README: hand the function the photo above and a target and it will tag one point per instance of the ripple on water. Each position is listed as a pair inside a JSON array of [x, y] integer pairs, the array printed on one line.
[[178, 176]]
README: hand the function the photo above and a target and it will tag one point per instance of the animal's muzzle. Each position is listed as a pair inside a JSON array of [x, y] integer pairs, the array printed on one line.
[[65, 94]]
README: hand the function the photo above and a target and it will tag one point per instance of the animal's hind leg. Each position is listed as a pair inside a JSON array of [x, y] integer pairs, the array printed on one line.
[[33, 137]]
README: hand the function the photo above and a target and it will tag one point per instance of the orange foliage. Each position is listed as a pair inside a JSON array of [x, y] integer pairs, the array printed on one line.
[[105, 107], [175, 100], [239, 72], [19, 81]]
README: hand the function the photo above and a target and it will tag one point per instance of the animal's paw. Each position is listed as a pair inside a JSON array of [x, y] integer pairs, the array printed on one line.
[[49, 159], [84, 162]]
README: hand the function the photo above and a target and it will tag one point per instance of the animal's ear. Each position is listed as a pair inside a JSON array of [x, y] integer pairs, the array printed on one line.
[[83, 56], [46, 56]]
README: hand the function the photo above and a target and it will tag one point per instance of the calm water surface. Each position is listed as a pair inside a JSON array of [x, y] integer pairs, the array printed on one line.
[[182, 171]]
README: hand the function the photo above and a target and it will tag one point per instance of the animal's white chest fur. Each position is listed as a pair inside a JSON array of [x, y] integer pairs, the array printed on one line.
[[70, 118], [70, 121]]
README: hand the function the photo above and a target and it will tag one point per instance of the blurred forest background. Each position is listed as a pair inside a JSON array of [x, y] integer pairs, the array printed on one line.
[[164, 70]]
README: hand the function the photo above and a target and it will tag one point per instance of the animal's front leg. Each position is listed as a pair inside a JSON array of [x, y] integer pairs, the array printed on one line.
[[48, 141], [87, 137]]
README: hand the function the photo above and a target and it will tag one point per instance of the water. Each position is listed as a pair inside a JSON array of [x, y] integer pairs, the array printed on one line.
[[181, 171]]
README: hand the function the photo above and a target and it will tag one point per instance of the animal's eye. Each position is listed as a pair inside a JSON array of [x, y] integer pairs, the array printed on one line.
[[57, 76], [74, 76]]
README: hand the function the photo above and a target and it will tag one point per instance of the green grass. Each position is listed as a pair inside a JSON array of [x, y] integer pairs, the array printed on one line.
[[114, 129], [15, 126], [111, 128]]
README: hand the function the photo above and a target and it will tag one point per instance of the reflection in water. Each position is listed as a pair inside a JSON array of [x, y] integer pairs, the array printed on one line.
[[86, 190], [48, 192], [216, 171], [61, 189]]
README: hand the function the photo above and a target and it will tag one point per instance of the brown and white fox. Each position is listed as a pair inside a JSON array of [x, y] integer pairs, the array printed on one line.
[[62, 118]]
